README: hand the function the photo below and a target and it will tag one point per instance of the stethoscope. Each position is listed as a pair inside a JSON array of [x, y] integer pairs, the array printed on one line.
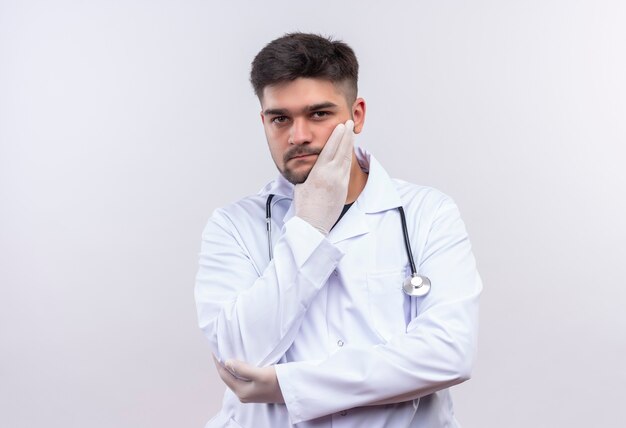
[[415, 285]]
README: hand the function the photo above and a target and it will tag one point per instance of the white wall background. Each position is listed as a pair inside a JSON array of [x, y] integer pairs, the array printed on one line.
[[123, 124]]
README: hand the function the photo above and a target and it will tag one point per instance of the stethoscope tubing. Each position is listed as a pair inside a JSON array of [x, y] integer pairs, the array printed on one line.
[[268, 222], [405, 236], [407, 241]]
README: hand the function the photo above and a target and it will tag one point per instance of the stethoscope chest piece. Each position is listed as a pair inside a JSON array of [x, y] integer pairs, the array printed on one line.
[[416, 285]]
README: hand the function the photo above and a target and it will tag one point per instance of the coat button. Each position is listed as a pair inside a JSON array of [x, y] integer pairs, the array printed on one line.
[[340, 343]]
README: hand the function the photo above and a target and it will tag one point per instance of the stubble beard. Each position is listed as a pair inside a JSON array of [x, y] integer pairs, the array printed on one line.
[[295, 177]]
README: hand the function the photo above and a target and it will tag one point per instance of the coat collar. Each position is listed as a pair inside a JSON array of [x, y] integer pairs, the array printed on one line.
[[379, 195]]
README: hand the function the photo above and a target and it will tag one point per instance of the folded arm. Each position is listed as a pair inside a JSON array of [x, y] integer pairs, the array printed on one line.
[[255, 317]]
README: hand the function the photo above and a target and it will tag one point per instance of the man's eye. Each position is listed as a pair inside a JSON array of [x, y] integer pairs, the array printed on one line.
[[320, 114], [280, 120]]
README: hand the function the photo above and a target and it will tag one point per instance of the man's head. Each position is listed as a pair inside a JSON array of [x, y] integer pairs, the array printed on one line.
[[297, 55], [307, 85]]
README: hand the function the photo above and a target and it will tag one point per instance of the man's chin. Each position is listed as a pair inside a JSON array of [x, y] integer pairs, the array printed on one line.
[[295, 177]]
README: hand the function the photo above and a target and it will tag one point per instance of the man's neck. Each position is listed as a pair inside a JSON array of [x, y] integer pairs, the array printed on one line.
[[358, 179]]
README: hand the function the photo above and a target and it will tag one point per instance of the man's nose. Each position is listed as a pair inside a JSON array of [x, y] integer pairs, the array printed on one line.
[[300, 132]]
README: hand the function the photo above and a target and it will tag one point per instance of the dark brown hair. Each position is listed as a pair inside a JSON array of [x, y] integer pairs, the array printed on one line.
[[297, 55]]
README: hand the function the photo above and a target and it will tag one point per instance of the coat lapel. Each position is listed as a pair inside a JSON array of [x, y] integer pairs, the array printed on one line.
[[352, 224]]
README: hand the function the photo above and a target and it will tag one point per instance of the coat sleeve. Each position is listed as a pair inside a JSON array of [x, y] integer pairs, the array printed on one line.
[[255, 317], [435, 352]]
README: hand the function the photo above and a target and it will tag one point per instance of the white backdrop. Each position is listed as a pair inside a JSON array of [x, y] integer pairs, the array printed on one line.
[[123, 124]]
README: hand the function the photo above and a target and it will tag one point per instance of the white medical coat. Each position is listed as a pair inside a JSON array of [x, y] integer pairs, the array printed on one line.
[[330, 312]]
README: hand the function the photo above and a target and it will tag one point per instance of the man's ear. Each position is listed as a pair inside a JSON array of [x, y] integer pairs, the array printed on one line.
[[358, 114], [262, 117]]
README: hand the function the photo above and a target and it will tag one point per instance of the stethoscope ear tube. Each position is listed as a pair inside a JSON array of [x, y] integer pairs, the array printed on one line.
[[415, 285]]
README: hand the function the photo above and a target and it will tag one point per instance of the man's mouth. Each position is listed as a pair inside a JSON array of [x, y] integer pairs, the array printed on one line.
[[303, 156]]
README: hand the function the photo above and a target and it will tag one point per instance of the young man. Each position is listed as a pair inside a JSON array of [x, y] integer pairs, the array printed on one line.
[[313, 323]]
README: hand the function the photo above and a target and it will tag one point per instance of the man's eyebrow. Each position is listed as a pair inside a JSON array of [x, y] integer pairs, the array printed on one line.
[[312, 107], [276, 111], [320, 106]]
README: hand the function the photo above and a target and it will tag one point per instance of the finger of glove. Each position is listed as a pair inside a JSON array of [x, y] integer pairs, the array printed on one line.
[[235, 368], [227, 377], [333, 142], [343, 156], [243, 370]]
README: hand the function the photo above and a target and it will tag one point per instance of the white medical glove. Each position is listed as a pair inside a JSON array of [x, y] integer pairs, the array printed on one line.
[[251, 384], [320, 199]]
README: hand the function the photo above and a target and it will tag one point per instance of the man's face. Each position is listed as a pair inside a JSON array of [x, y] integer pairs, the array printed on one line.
[[298, 118]]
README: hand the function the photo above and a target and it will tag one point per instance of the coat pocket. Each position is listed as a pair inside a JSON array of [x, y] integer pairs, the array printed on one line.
[[386, 302]]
